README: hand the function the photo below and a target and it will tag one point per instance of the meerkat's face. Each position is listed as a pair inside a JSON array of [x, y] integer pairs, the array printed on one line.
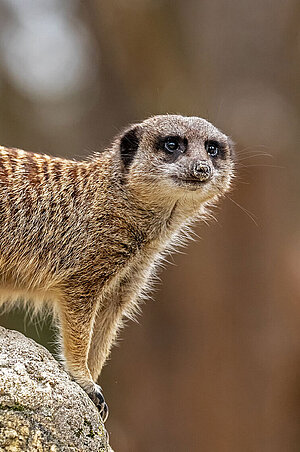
[[172, 156]]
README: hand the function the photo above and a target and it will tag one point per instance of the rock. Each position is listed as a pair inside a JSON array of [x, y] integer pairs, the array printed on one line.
[[41, 408]]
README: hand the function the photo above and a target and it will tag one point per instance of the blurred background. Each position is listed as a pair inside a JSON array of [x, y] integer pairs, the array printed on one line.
[[214, 363]]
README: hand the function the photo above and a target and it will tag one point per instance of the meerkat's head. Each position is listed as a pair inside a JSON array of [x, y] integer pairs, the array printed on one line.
[[175, 157]]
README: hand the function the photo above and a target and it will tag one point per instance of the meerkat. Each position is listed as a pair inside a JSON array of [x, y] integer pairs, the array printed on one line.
[[83, 237]]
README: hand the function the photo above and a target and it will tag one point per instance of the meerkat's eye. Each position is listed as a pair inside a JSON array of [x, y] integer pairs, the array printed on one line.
[[212, 148], [172, 144]]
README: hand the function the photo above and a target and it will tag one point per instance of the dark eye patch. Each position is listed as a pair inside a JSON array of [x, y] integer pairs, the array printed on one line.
[[172, 146], [216, 149], [212, 148]]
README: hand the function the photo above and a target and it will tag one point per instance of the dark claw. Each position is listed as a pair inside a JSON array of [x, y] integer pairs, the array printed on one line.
[[97, 397]]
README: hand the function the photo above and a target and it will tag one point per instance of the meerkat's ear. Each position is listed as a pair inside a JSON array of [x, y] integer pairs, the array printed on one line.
[[129, 144]]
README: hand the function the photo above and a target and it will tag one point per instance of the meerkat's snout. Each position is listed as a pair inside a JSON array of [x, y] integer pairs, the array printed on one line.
[[201, 170]]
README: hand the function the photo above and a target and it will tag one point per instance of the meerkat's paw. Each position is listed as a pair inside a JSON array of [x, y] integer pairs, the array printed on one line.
[[97, 397]]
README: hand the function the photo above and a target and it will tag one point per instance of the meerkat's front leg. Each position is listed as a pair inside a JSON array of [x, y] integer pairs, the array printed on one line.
[[107, 323], [108, 319], [77, 316]]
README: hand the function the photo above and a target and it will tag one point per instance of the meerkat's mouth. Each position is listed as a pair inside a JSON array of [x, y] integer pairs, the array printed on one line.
[[190, 182]]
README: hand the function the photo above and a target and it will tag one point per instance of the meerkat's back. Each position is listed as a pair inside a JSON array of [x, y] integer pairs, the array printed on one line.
[[45, 203]]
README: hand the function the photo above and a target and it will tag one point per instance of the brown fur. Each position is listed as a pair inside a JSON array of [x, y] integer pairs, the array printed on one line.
[[84, 237]]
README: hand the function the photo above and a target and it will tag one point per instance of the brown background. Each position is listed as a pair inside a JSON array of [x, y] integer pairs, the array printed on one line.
[[214, 364]]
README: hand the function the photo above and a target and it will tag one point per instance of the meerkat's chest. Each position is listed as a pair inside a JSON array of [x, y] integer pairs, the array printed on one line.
[[152, 252]]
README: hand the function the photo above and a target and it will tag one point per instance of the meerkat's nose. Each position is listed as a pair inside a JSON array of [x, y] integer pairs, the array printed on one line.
[[202, 170]]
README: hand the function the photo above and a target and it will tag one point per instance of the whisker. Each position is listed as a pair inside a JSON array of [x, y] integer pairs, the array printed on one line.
[[251, 148], [241, 181], [249, 214], [255, 155], [259, 166]]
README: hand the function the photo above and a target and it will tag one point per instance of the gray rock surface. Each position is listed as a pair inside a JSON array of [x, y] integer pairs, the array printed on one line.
[[41, 408]]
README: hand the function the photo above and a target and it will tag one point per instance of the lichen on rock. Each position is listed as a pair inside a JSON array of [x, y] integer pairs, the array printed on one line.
[[41, 408]]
